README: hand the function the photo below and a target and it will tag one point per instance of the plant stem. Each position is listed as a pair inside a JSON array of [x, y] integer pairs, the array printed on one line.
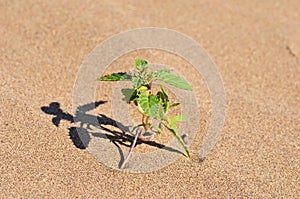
[[137, 134], [178, 138], [145, 121]]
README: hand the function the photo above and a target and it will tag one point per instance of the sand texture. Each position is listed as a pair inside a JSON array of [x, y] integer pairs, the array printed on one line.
[[255, 45]]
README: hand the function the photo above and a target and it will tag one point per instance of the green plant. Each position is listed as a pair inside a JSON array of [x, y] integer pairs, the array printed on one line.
[[153, 107]]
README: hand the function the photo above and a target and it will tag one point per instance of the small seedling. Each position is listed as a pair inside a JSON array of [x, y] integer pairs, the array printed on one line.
[[153, 107]]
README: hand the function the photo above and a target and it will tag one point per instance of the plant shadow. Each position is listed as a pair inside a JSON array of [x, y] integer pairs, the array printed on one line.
[[80, 136]]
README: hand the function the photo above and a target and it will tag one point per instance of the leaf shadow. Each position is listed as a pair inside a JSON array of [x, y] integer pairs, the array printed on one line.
[[81, 136]]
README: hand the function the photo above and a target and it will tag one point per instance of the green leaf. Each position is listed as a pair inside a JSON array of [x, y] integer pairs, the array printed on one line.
[[161, 114], [163, 96], [153, 104], [174, 104], [164, 92], [138, 82], [150, 105], [179, 118], [115, 77], [172, 124], [142, 88], [140, 62], [156, 108], [141, 65], [129, 94], [167, 77], [143, 101]]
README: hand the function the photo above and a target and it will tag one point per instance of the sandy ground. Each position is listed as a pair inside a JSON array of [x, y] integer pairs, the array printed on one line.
[[256, 47]]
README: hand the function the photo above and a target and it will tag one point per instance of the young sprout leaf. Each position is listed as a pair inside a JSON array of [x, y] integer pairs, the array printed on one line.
[[115, 77], [167, 77], [153, 107], [140, 62], [141, 65]]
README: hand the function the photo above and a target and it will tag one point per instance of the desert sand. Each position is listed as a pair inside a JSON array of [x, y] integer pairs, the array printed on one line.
[[256, 47]]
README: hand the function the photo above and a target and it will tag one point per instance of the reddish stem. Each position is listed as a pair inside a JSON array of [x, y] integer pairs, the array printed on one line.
[[137, 134]]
